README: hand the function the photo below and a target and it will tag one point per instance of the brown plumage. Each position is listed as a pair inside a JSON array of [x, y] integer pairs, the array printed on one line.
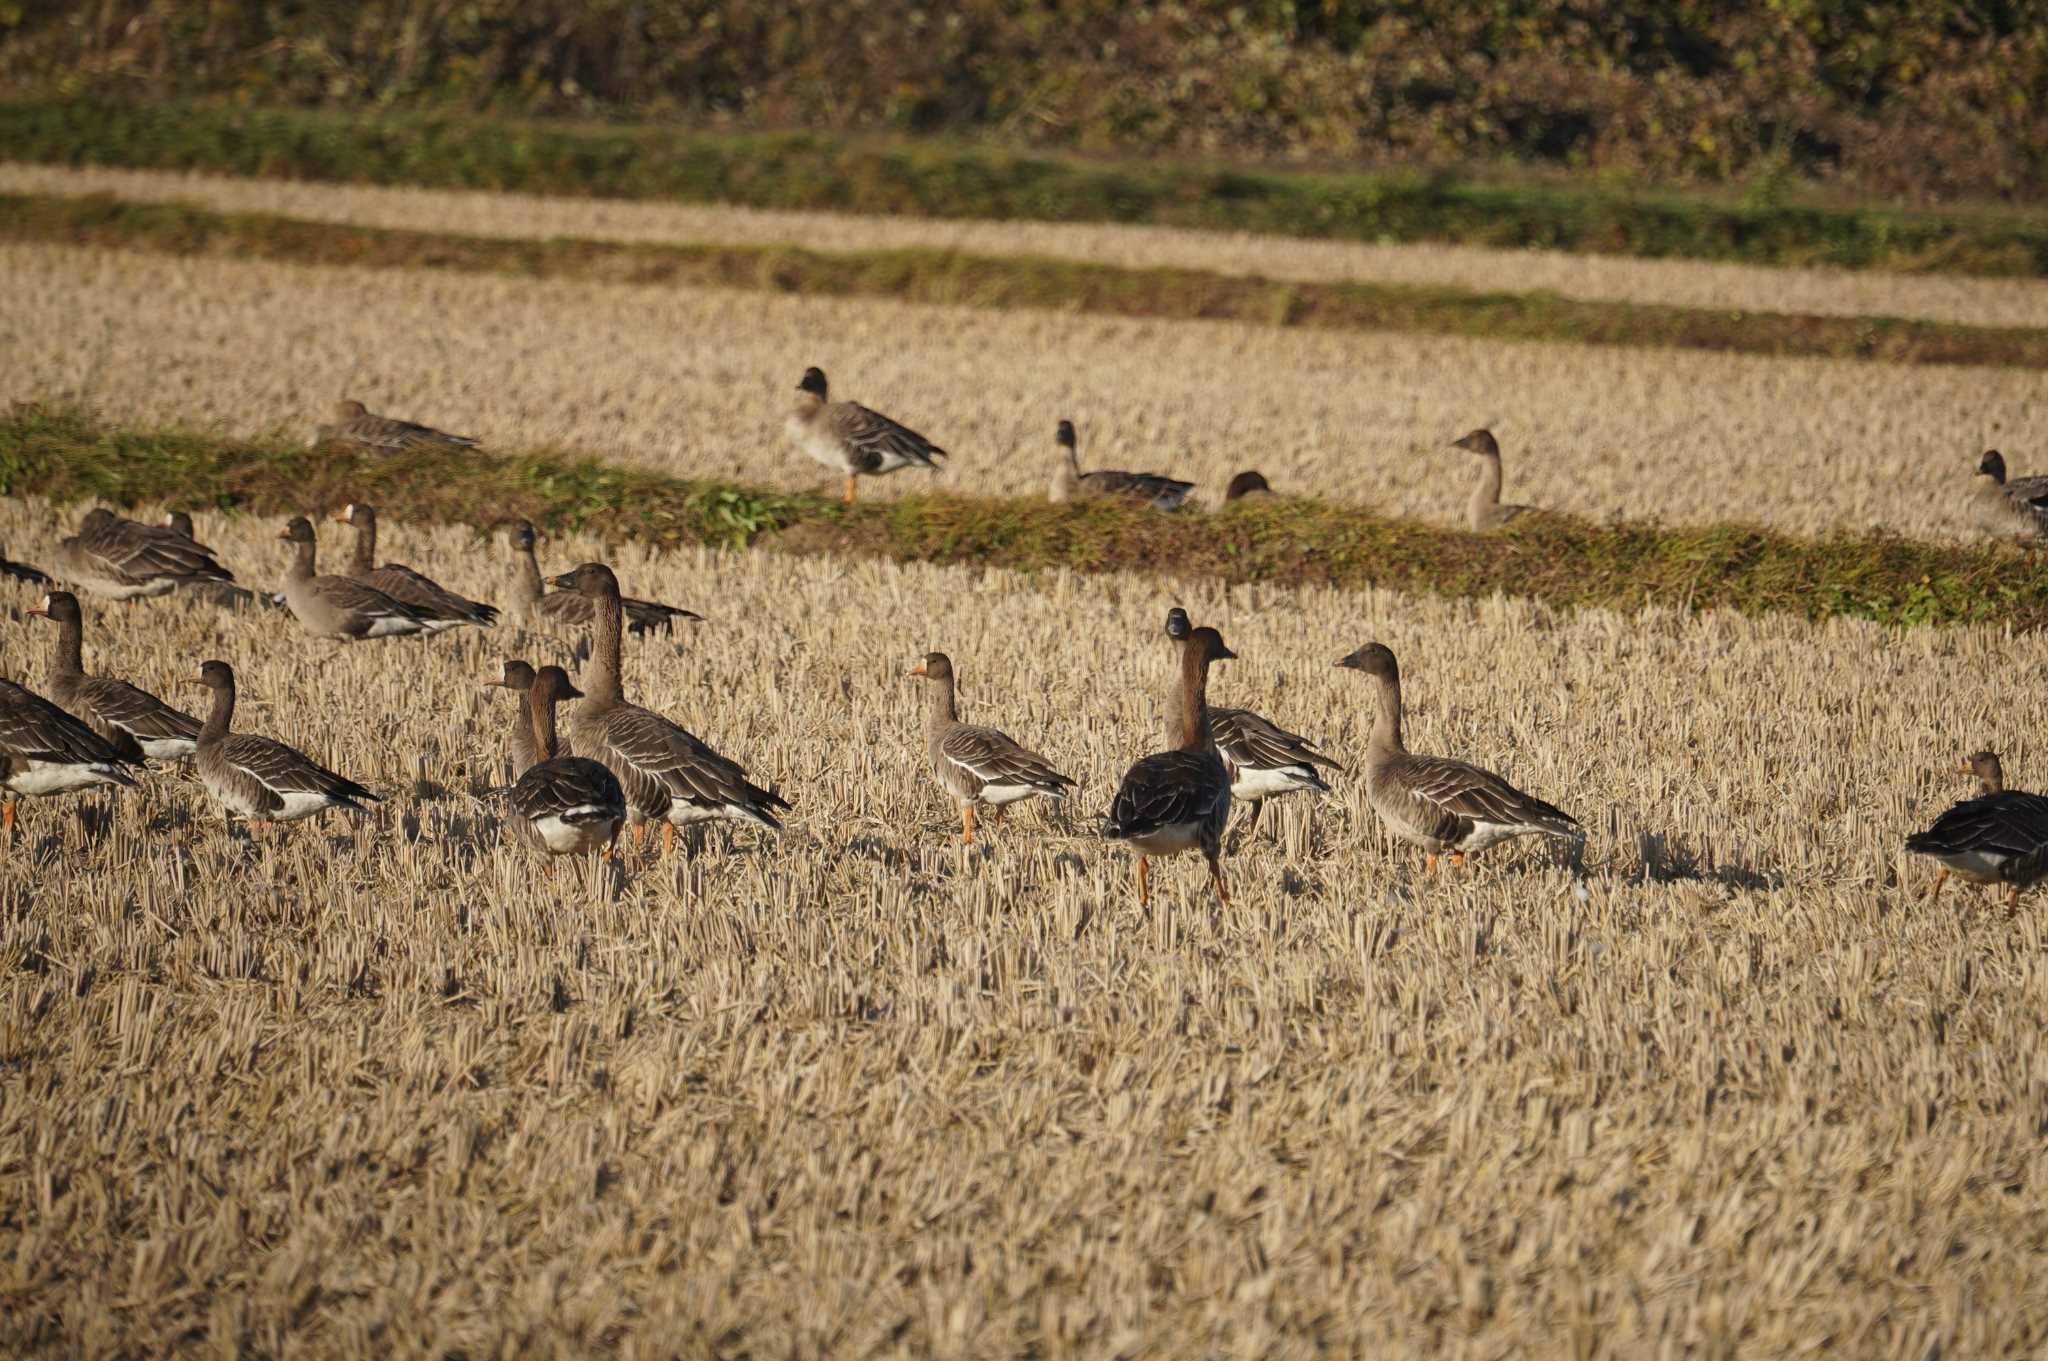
[[977, 765], [1246, 483], [222, 594], [45, 750], [259, 778], [533, 604], [564, 805], [438, 607], [1179, 800], [357, 425], [21, 571], [850, 438], [133, 722], [1069, 482], [2018, 507], [1484, 511], [124, 559], [338, 607], [517, 677], [1998, 837]]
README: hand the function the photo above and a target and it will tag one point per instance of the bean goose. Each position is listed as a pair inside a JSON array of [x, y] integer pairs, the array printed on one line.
[[45, 750], [854, 440], [1068, 481], [1434, 802], [1264, 759], [357, 425], [977, 765], [224, 594], [21, 571], [122, 559], [1998, 837], [518, 678], [1484, 511], [258, 778], [338, 607], [438, 607], [565, 805], [133, 722], [1179, 800], [2018, 507], [669, 775], [1247, 483], [533, 604]]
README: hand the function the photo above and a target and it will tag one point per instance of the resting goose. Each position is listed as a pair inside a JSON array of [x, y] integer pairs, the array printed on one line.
[[44, 750], [1247, 483], [1484, 511], [1068, 481], [977, 765], [669, 775], [1263, 758], [1434, 802], [1998, 837], [133, 722], [21, 571], [224, 594], [534, 605], [438, 607], [566, 805], [258, 778], [849, 437], [357, 425], [1179, 800], [338, 607], [2018, 507], [518, 678], [123, 559]]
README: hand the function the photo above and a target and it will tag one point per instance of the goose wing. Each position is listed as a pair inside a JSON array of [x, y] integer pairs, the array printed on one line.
[[1249, 742], [139, 553], [690, 770], [1165, 493], [141, 715], [1172, 788], [994, 759], [373, 431], [2028, 491], [572, 788], [2008, 826], [876, 438], [1477, 795], [648, 616], [286, 771], [33, 728], [430, 598], [21, 571], [346, 593]]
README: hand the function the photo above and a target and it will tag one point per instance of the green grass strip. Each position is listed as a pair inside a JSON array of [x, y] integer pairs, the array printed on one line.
[[67, 456], [933, 276], [964, 180]]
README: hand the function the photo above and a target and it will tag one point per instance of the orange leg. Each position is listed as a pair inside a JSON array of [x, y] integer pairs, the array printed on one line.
[[2012, 898], [1934, 892], [639, 835], [7, 817], [1457, 860], [967, 824], [1429, 862], [1001, 809], [668, 837], [848, 498], [1144, 885], [1216, 878]]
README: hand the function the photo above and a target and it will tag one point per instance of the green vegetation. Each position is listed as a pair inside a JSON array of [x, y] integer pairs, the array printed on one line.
[[67, 456], [958, 180], [1004, 282]]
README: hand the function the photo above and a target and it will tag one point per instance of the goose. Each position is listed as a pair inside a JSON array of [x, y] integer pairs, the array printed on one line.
[[355, 424], [1484, 511], [2018, 507], [224, 594], [258, 778], [1179, 800], [1263, 758], [1998, 837], [849, 437], [1434, 802], [668, 774], [977, 765], [534, 604], [517, 677], [1068, 481], [45, 750], [21, 571], [1246, 483], [438, 607], [338, 607], [565, 805], [124, 560], [131, 721]]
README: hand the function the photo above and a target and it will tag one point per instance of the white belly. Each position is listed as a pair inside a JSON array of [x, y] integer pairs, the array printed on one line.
[[299, 805], [389, 626], [124, 590], [46, 777], [808, 437], [1171, 839], [1976, 865], [168, 748], [563, 837], [1486, 834], [1000, 794], [1264, 784], [682, 814]]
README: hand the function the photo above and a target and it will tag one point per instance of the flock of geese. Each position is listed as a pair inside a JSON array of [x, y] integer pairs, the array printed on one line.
[[616, 764]]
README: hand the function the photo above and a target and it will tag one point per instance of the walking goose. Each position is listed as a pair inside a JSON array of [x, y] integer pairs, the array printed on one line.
[[539, 607], [21, 571], [357, 425], [1484, 511], [258, 778], [44, 750], [338, 607], [438, 607], [566, 805], [668, 774], [2018, 507], [518, 678], [1263, 758], [1247, 483], [224, 594], [1068, 481], [1998, 837], [133, 722], [849, 437], [122, 559], [1434, 802], [977, 765], [1179, 800]]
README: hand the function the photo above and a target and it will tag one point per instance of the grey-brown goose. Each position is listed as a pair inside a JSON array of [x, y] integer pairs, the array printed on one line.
[[1179, 800], [565, 805], [1434, 802], [338, 607], [1264, 759], [123, 559], [1484, 510], [355, 424], [1999, 837], [223, 594], [669, 775], [45, 750], [2018, 507], [1070, 483], [977, 765], [21, 571], [518, 678], [1247, 483], [438, 607], [852, 439], [133, 722], [533, 604], [259, 778]]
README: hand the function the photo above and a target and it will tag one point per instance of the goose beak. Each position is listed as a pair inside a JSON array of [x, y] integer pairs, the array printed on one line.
[[917, 670], [567, 581], [1227, 655], [340, 517], [486, 683], [285, 534], [43, 610], [1350, 661]]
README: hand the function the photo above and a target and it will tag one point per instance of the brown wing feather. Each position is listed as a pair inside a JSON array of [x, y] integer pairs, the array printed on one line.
[[876, 437], [1167, 789], [429, 597], [1478, 795], [690, 770], [121, 705], [1250, 742], [994, 758], [565, 784], [1164, 492], [31, 726], [287, 770]]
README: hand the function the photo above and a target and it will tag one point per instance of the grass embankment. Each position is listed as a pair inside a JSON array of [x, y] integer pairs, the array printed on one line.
[[956, 180], [66, 456], [935, 276]]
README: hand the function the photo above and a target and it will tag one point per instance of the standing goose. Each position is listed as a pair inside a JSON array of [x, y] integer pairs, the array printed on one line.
[[21, 571], [849, 437], [535, 605], [338, 607], [1998, 837], [566, 805], [1068, 481], [1484, 511], [258, 778], [44, 750], [977, 765], [1179, 800], [518, 678], [123, 559], [133, 722], [1250, 482], [2018, 507], [1264, 759], [438, 607], [668, 774], [1434, 802], [355, 424], [224, 594]]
